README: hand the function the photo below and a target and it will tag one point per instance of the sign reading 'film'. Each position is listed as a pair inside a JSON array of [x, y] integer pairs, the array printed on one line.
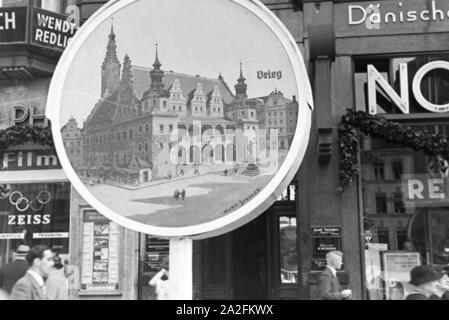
[[174, 136]]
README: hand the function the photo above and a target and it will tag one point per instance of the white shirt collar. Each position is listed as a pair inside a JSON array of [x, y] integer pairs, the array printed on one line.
[[334, 272], [36, 277]]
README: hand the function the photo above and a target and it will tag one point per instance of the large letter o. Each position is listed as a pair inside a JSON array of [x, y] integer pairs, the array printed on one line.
[[417, 86]]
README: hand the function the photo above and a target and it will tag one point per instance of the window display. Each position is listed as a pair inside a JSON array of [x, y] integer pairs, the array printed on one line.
[[34, 214]]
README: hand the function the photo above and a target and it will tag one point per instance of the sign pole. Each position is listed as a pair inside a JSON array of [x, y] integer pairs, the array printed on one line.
[[180, 269]]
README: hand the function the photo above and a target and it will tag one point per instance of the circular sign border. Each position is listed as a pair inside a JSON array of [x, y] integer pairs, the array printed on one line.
[[256, 206]]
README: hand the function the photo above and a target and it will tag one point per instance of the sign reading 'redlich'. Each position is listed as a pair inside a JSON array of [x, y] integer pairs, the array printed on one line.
[[51, 29]]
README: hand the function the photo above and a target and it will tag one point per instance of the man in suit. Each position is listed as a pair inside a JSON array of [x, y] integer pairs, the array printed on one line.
[[328, 284], [32, 285], [10, 273]]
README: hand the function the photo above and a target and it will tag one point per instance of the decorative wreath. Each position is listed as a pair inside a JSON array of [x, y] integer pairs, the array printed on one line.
[[18, 135], [435, 145]]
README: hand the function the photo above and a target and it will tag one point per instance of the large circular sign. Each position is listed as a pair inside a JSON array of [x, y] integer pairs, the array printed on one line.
[[181, 118]]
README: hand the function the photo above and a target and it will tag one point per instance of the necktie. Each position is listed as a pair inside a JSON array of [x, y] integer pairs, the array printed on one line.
[[44, 290]]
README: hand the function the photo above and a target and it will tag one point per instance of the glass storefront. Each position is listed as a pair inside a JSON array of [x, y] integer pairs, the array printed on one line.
[[404, 191], [34, 214]]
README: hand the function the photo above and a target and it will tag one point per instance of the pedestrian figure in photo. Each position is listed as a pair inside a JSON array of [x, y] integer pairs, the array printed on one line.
[[57, 283], [12, 272], [328, 285], [176, 194], [443, 285], [183, 194], [226, 172], [161, 282], [425, 280], [32, 286], [181, 172]]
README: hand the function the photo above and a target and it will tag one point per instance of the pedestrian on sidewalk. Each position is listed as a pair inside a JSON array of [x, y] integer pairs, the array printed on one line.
[[328, 284], [12, 272], [57, 283], [32, 285], [425, 280]]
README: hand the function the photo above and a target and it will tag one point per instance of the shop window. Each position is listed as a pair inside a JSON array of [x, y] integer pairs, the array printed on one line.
[[287, 250], [289, 193], [381, 203], [397, 170], [100, 254], [398, 203], [33, 214], [379, 171], [383, 235], [401, 239]]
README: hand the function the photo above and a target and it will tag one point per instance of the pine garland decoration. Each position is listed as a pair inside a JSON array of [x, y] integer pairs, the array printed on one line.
[[435, 145], [18, 135]]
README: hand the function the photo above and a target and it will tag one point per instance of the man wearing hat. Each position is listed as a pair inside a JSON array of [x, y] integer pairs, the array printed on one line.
[[443, 285], [12, 272], [425, 279]]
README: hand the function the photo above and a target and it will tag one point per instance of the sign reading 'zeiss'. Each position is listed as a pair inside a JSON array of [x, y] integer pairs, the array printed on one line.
[[402, 98]]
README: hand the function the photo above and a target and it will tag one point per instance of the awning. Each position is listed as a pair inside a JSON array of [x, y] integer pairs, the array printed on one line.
[[33, 176]]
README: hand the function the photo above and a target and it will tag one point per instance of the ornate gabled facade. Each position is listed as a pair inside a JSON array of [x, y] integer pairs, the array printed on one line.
[[141, 109]]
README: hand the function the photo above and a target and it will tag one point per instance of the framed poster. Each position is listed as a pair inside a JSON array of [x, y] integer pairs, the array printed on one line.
[[100, 253], [397, 266], [180, 137]]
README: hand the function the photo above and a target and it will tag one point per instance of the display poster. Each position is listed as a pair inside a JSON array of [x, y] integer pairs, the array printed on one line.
[[156, 254], [375, 283], [397, 267], [100, 266], [324, 240]]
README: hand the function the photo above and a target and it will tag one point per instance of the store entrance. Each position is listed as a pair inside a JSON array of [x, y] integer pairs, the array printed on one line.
[[258, 261]]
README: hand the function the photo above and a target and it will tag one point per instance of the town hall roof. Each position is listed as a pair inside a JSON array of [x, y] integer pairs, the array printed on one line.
[[188, 83]]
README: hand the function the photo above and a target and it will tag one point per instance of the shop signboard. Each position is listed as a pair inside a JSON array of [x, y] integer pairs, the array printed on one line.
[[51, 30], [156, 254], [425, 190], [397, 267], [370, 18], [13, 25], [324, 240], [190, 145]]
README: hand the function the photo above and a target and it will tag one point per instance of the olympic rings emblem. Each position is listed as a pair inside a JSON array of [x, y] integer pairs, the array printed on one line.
[[22, 204]]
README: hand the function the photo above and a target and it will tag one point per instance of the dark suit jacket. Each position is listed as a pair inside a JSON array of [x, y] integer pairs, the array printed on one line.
[[328, 286], [27, 288], [11, 273], [417, 296]]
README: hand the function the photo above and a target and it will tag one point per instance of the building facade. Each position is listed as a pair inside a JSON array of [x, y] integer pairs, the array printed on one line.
[[280, 254]]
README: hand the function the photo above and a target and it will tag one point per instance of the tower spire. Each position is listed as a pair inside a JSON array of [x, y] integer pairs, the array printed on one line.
[[157, 74], [241, 86], [157, 64], [111, 66]]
